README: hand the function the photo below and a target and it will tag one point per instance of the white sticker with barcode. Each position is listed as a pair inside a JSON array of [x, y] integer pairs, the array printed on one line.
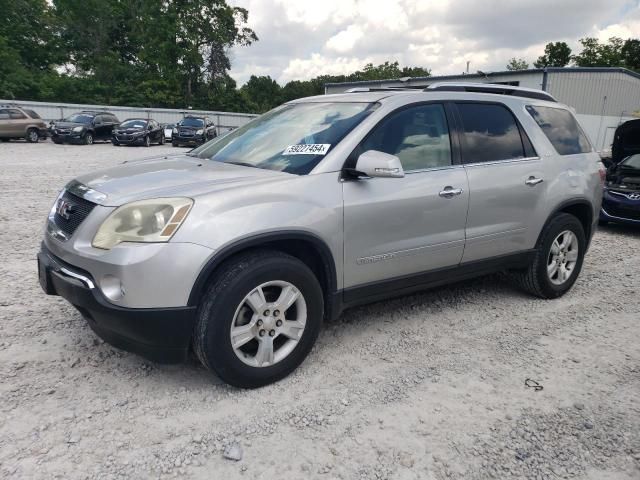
[[310, 149]]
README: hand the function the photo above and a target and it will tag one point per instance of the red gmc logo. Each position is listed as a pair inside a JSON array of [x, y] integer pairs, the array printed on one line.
[[64, 209]]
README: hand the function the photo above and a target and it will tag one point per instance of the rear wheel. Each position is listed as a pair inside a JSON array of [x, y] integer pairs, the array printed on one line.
[[32, 135], [259, 318], [161, 139], [558, 258]]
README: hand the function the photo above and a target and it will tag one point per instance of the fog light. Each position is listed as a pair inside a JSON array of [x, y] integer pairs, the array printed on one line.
[[112, 287]]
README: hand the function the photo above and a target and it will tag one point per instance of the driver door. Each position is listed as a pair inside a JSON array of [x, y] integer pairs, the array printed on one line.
[[401, 227]]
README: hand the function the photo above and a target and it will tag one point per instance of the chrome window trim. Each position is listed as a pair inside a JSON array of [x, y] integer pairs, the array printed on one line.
[[498, 162], [432, 169]]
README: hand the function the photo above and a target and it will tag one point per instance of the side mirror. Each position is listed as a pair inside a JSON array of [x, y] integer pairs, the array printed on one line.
[[373, 163]]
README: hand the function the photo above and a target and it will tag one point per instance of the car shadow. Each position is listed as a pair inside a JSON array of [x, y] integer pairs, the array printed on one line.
[[621, 229]]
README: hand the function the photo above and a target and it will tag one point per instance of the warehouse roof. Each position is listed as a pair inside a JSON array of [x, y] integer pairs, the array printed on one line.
[[486, 75]]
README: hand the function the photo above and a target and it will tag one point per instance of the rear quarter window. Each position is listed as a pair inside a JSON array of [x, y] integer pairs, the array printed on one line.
[[561, 128]]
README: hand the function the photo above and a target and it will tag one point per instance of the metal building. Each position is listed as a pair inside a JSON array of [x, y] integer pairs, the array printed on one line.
[[602, 98]]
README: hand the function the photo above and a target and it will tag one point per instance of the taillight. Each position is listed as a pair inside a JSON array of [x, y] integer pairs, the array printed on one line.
[[603, 173]]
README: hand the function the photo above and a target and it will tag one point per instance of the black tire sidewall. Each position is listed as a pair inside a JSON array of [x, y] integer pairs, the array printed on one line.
[[556, 226], [219, 312]]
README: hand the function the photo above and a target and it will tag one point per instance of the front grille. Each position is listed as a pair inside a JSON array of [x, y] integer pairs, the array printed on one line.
[[622, 212], [186, 133], [78, 210]]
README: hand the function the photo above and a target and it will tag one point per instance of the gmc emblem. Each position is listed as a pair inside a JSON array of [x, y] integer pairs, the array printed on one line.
[[64, 209]]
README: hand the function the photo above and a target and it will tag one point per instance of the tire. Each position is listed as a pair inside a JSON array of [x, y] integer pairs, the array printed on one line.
[[537, 279], [57, 142], [147, 141], [32, 136], [88, 138], [4, 140], [224, 304], [115, 143], [175, 144], [161, 142]]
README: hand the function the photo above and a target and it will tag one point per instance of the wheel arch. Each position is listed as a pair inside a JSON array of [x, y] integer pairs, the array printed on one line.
[[306, 247], [581, 208]]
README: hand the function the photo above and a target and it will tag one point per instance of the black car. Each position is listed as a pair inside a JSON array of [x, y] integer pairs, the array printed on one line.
[[621, 199], [193, 131], [138, 131], [84, 127]]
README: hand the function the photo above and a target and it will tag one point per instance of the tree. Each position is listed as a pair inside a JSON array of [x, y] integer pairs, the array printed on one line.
[[263, 92], [631, 54], [517, 64], [596, 54], [556, 54]]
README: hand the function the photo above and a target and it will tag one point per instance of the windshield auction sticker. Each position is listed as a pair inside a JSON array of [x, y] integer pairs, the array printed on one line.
[[310, 149]]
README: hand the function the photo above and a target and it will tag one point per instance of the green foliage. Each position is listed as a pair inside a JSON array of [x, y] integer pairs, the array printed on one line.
[[596, 54], [556, 54], [517, 64]]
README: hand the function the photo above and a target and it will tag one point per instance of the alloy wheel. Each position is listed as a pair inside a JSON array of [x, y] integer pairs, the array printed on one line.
[[268, 323], [563, 257]]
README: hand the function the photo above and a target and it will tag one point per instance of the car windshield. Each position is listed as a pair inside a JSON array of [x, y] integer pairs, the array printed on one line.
[[632, 162], [79, 118], [292, 138], [133, 124], [191, 122]]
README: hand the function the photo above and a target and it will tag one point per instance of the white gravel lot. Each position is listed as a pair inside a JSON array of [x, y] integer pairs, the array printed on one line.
[[426, 386]]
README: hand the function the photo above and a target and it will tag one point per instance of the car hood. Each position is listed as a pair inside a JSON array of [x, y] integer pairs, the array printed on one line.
[[169, 176], [69, 124]]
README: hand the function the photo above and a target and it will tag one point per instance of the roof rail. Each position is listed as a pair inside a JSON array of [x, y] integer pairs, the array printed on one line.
[[490, 88], [383, 89]]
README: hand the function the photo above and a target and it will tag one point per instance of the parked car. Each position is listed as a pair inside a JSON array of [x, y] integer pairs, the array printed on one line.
[[16, 122], [168, 130], [84, 128], [626, 141], [621, 202], [193, 131], [242, 247], [138, 131]]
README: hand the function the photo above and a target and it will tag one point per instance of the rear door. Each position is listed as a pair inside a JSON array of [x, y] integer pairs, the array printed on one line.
[[506, 180], [396, 227]]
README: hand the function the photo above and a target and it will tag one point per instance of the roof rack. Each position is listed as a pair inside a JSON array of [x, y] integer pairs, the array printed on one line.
[[383, 89], [490, 88]]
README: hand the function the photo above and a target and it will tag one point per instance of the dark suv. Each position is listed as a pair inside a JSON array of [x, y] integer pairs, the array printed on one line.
[[84, 127], [193, 131]]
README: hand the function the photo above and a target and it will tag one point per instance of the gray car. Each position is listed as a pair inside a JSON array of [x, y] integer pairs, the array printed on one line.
[[240, 248]]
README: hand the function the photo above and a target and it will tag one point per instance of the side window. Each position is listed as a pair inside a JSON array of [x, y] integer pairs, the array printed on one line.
[[489, 133], [4, 114], [16, 114], [98, 120], [32, 114], [562, 129], [418, 136], [113, 119]]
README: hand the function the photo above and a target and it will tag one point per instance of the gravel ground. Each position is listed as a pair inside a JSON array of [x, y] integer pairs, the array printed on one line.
[[426, 386]]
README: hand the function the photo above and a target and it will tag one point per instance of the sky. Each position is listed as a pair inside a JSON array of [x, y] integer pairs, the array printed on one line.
[[301, 39]]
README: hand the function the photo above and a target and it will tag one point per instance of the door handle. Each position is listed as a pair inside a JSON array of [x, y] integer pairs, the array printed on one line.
[[450, 192], [533, 181]]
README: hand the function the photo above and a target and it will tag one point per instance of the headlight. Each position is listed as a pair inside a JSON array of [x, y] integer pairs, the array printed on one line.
[[175, 130], [147, 221], [200, 132], [78, 129]]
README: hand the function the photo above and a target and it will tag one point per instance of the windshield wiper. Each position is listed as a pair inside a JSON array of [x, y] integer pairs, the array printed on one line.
[[243, 164]]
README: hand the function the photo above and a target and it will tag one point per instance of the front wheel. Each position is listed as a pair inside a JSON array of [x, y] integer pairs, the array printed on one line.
[[558, 258], [32, 135], [259, 318], [161, 142], [88, 138], [147, 141]]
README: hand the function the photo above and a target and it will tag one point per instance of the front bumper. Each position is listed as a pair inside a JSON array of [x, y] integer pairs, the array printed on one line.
[[128, 139], [195, 140], [159, 334], [72, 137], [618, 208]]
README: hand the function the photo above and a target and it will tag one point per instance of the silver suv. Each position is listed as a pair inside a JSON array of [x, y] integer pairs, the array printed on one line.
[[243, 246]]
